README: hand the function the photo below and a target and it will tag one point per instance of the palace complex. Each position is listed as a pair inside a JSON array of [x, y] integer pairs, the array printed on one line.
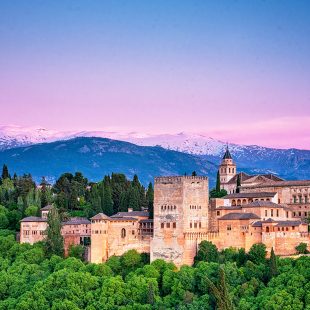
[[257, 209]]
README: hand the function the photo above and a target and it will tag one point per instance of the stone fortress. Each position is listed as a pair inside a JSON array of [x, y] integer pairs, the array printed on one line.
[[257, 209]]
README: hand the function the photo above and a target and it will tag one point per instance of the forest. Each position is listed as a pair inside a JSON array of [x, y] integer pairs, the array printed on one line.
[[32, 279], [39, 277], [72, 194]]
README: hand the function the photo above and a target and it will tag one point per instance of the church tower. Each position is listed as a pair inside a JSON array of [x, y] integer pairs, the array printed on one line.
[[227, 168]]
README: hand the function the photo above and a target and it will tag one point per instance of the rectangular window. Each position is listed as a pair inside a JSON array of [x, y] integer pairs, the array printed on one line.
[[295, 199], [228, 227], [162, 225], [195, 225], [168, 225], [277, 212], [190, 225], [174, 225], [265, 212], [218, 213], [286, 214], [271, 212]]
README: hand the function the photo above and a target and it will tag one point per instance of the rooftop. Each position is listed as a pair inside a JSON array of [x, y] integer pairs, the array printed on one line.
[[239, 216], [46, 208], [282, 184], [100, 216], [250, 195], [227, 154], [77, 221], [265, 204], [131, 214], [33, 219]]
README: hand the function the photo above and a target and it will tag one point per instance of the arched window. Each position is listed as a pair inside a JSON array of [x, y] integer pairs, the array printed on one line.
[[123, 233], [244, 201], [233, 203], [239, 202], [267, 229]]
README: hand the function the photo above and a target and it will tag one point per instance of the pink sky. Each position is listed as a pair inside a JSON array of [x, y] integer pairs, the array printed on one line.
[[238, 71]]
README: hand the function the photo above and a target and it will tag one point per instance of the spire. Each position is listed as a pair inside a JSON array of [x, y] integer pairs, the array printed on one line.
[[227, 153]]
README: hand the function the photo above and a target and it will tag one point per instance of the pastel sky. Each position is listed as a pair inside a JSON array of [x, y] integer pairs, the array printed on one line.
[[236, 70]]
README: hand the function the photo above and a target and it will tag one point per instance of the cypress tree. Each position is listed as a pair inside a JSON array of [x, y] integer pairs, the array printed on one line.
[[43, 196], [194, 174], [151, 294], [238, 183], [220, 292], [150, 199], [107, 200], [54, 243], [218, 182], [5, 172], [273, 268]]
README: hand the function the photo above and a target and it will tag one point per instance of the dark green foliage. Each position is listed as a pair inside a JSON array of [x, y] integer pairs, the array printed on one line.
[[76, 251], [31, 280], [273, 265], [257, 253], [218, 182], [194, 174], [207, 251], [221, 292], [150, 199], [301, 248], [54, 243], [238, 183], [5, 172], [215, 194]]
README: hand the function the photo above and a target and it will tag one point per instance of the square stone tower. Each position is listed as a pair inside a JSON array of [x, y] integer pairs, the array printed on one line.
[[180, 217]]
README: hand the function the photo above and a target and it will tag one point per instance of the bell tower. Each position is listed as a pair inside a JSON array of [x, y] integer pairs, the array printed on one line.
[[227, 168]]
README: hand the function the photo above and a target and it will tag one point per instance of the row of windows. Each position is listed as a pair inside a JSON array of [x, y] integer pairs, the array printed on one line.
[[278, 228], [195, 225], [168, 225], [195, 207], [300, 213], [230, 170], [34, 232], [272, 213], [168, 207], [299, 199], [240, 202]]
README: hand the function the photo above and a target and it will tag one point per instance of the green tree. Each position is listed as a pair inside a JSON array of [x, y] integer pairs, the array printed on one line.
[[273, 267], [257, 253], [76, 251], [221, 293], [207, 251], [194, 174], [31, 211], [150, 199], [54, 243], [5, 172], [43, 193], [301, 248], [218, 182], [107, 200], [238, 183]]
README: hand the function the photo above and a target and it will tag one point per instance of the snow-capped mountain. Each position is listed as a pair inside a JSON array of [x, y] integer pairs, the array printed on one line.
[[287, 163], [197, 144]]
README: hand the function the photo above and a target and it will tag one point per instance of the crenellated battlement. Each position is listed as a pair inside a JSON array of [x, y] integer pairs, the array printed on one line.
[[178, 179], [211, 235]]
